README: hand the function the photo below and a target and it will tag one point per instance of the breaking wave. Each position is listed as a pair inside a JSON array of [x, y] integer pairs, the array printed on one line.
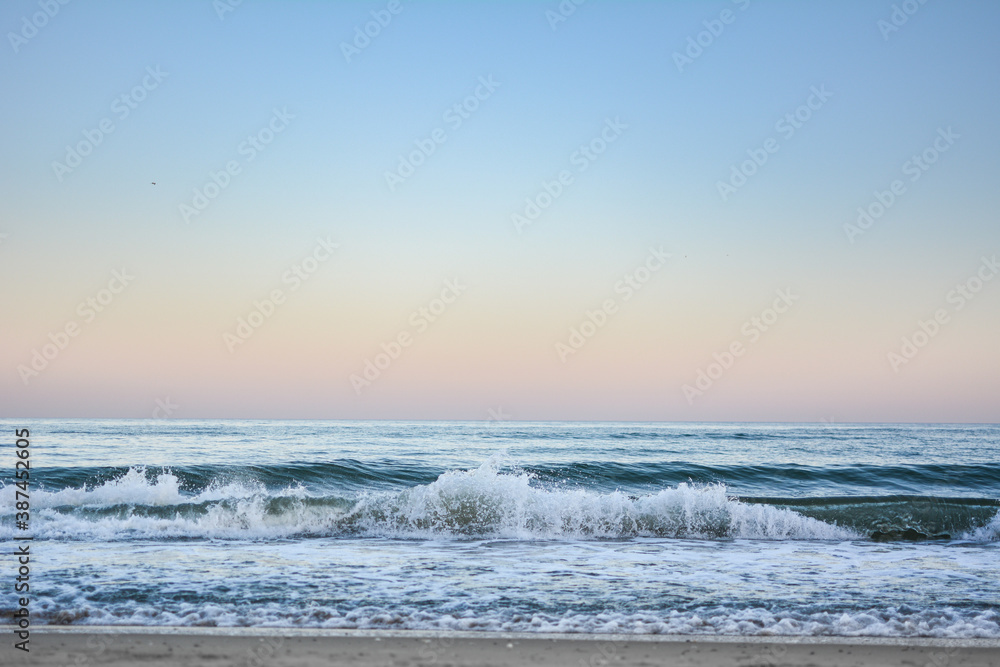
[[495, 500]]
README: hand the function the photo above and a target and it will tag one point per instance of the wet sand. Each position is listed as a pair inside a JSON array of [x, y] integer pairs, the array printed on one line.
[[253, 647]]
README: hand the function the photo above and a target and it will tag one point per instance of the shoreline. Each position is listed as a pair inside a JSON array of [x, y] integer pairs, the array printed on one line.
[[116, 646], [255, 632]]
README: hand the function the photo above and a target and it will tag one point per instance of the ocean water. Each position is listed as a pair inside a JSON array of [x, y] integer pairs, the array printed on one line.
[[748, 529]]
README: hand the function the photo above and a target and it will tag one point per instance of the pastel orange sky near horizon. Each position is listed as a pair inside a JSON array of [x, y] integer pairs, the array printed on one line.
[[473, 212]]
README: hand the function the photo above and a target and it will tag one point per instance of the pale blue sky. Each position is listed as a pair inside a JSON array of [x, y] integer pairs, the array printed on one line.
[[656, 184]]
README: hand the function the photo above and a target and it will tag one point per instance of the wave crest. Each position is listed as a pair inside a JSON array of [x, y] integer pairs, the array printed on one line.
[[496, 500], [489, 503]]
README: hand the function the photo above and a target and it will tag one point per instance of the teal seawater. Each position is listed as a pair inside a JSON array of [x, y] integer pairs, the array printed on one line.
[[827, 529]]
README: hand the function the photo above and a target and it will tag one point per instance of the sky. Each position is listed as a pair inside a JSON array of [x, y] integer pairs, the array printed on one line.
[[657, 211]]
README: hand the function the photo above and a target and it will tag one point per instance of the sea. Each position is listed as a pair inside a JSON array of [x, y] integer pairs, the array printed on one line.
[[882, 530]]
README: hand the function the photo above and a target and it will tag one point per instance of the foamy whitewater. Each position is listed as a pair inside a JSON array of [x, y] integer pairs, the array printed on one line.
[[756, 529]]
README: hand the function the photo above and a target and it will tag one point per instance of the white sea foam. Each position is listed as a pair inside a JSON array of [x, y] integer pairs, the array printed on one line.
[[484, 502], [884, 622], [492, 501], [136, 488], [988, 533], [131, 488]]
